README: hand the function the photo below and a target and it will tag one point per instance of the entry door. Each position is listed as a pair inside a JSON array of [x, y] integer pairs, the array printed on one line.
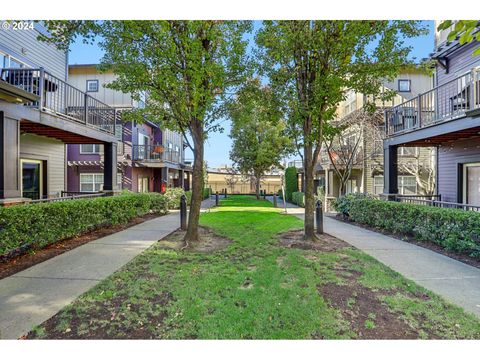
[[143, 146], [472, 184], [143, 184], [32, 173]]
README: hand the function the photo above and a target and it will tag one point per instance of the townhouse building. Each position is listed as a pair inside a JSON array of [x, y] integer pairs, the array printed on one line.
[[447, 118], [149, 158], [40, 115], [352, 161]]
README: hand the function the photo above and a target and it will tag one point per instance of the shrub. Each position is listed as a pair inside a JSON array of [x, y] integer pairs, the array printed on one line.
[[34, 226], [291, 182], [452, 229], [298, 198], [173, 196]]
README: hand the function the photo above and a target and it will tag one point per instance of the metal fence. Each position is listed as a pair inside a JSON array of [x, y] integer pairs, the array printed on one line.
[[67, 196], [434, 200], [445, 102]]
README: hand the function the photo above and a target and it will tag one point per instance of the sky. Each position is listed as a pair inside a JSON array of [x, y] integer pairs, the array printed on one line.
[[217, 147]]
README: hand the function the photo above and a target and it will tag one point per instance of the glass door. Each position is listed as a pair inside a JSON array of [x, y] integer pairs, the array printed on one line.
[[472, 184], [32, 173]]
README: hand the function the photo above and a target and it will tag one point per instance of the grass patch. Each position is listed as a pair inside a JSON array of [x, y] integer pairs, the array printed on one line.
[[255, 289]]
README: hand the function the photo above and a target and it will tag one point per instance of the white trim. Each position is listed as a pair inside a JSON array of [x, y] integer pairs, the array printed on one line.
[[94, 175], [465, 180]]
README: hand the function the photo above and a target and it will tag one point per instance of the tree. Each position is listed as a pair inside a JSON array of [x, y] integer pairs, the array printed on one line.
[[187, 69], [349, 142], [311, 65], [258, 132], [463, 30]]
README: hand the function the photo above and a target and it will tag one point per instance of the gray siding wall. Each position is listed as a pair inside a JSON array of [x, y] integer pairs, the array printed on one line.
[[24, 46], [460, 62], [449, 156], [51, 150]]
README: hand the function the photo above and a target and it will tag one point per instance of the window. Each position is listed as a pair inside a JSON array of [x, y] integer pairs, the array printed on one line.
[[91, 182], [378, 184], [7, 61], [404, 85], [471, 183], [176, 148], [170, 146], [407, 151], [120, 180], [90, 149], [92, 85], [407, 185], [119, 131]]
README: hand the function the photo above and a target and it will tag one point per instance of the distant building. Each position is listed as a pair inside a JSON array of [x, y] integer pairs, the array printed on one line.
[[149, 158]]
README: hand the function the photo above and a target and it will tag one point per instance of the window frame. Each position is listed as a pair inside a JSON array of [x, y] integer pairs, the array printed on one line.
[[94, 176], [93, 81], [408, 81], [83, 152]]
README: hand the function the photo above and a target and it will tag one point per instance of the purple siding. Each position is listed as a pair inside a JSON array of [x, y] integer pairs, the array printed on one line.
[[450, 158], [460, 61]]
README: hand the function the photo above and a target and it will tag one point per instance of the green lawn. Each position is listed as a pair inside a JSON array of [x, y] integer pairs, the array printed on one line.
[[256, 289]]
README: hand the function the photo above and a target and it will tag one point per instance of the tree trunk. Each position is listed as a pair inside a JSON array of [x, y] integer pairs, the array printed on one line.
[[257, 187], [309, 195], [197, 186]]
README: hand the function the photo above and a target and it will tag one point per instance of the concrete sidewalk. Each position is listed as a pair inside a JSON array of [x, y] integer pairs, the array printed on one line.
[[455, 281], [34, 295]]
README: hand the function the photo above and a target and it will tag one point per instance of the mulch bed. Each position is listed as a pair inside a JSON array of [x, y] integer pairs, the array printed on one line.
[[209, 241], [465, 258], [323, 242], [24, 261]]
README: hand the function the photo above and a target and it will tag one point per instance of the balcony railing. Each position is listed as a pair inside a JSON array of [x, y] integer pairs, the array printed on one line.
[[445, 102], [154, 153], [66, 196], [59, 98], [434, 200]]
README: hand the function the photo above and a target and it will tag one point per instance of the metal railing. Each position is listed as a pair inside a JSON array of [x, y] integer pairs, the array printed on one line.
[[59, 98], [67, 195], [434, 200], [445, 102], [295, 163], [152, 153]]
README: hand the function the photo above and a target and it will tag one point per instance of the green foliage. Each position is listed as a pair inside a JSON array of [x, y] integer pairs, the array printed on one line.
[[265, 291], [298, 198], [258, 132], [291, 182], [34, 226], [463, 30], [453, 229], [173, 195]]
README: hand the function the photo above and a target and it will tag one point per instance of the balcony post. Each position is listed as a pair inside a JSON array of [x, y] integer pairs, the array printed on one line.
[[41, 89], [419, 111], [473, 89], [110, 167], [390, 170], [85, 108]]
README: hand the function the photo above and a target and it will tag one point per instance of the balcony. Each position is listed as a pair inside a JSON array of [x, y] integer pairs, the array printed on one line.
[[154, 154], [455, 99], [56, 97]]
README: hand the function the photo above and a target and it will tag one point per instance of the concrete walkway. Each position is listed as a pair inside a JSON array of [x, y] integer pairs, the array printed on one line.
[[34, 295], [453, 280]]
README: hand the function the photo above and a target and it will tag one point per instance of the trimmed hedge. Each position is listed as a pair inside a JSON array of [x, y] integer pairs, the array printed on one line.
[[452, 229], [298, 198], [291, 182], [24, 227]]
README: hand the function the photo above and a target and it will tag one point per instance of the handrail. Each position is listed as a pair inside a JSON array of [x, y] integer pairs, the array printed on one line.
[[151, 153], [69, 197], [448, 101], [61, 99], [435, 203]]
